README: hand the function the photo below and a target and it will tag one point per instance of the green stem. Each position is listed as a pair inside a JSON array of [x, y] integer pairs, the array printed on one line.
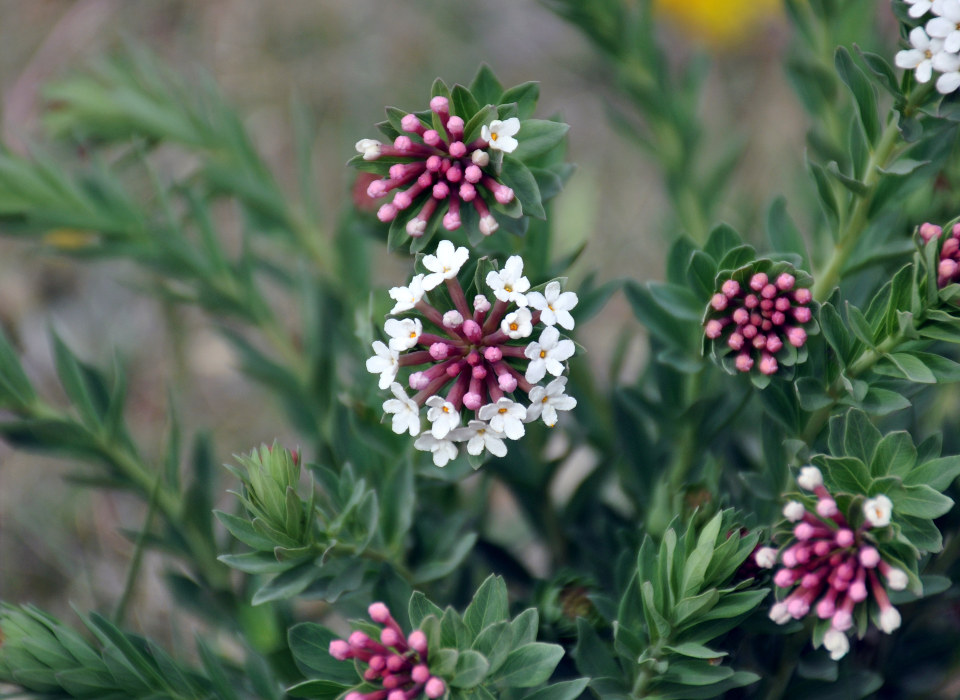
[[135, 562]]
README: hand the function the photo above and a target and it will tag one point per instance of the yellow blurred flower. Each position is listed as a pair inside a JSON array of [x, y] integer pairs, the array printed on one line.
[[720, 23], [69, 238]]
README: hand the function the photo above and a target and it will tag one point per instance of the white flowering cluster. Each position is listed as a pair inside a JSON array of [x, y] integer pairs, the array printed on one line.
[[936, 45], [475, 359]]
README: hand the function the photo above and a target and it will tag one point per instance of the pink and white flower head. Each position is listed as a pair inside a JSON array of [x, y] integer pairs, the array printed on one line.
[[433, 172], [948, 263], [759, 320], [829, 567], [476, 369], [393, 663]]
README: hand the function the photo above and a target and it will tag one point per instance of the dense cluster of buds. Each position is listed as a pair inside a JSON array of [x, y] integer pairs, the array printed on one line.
[[759, 318], [476, 357], [438, 169], [830, 567], [948, 267], [396, 662]]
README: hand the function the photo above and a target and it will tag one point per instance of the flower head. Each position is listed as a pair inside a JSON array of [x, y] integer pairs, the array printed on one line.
[[395, 664], [948, 264], [500, 134], [471, 364], [759, 319], [554, 306]]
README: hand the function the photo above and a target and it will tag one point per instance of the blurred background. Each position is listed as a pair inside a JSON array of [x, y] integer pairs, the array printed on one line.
[[345, 60]]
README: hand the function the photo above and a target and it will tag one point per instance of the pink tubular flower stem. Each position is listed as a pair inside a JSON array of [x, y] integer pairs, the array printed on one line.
[[459, 298]]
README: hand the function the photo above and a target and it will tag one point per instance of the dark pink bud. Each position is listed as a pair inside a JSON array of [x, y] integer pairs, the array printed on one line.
[[396, 662], [802, 296], [420, 673], [802, 314], [756, 319], [731, 288], [457, 149], [749, 331], [744, 362], [751, 301], [411, 123], [826, 608], [928, 232], [769, 291], [468, 192], [803, 554], [454, 369], [425, 180], [844, 537], [431, 137], [377, 662], [354, 695], [797, 336], [950, 248], [473, 358], [774, 344], [435, 688], [371, 675], [455, 127], [956, 230], [809, 580], [441, 190], [472, 330], [782, 304], [741, 316], [339, 649], [434, 163], [390, 682], [766, 326], [869, 557], [735, 341], [397, 694], [758, 281], [473, 173], [947, 268], [402, 143], [479, 372], [418, 641], [439, 104], [777, 318], [766, 304], [713, 329], [493, 354], [821, 548], [797, 608], [785, 282], [803, 531], [760, 341], [358, 639], [454, 174], [719, 302], [389, 637]]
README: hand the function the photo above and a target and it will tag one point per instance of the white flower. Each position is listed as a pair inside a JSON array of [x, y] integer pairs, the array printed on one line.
[[919, 7], [836, 643], [766, 557], [406, 413], [518, 324], [444, 265], [547, 355], [779, 613], [443, 450], [946, 26], [889, 619], [479, 437], [404, 333], [810, 478], [385, 363], [896, 579], [794, 511], [553, 306], [509, 284], [878, 510], [505, 416], [369, 148], [407, 297], [545, 402], [443, 415], [949, 65], [480, 158], [920, 57], [499, 134], [452, 319]]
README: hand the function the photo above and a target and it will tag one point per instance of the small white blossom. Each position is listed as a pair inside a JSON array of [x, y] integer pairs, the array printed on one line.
[[878, 510], [766, 557], [836, 643], [889, 619], [793, 511], [406, 412], [452, 319], [918, 8], [545, 402], [505, 416], [369, 148], [480, 158], [443, 450], [479, 437], [444, 265], [920, 57], [810, 478], [499, 134], [407, 297], [488, 225], [404, 333], [443, 415], [946, 26], [896, 579], [518, 324], [385, 363], [554, 306], [547, 355], [779, 613], [509, 284], [949, 65]]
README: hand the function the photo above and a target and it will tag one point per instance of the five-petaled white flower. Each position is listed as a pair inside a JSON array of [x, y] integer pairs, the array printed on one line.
[[444, 265], [836, 643], [547, 355], [499, 134], [404, 333], [553, 306], [946, 26], [443, 415], [921, 56], [385, 363], [505, 416], [443, 450], [407, 297], [406, 413], [546, 401], [878, 510], [479, 437], [518, 324], [509, 284]]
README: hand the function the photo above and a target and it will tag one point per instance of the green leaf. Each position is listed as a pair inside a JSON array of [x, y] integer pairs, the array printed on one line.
[[677, 300], [844, 473], [592, 655], [568, 690], [863, 93], [695, 651], [526, 96], [485, 86], [722, 239], [471, 669], [288, 584], [895, 455], [920, 501], [938, 473], [828, 198], [861, 437], [538, 136], [660, 323], [518, 177], [317, 690], [420, 607], [905, 366], [439, 568], [783, 234], [529, 665], [489, 605], [495, 642], [463, 103]]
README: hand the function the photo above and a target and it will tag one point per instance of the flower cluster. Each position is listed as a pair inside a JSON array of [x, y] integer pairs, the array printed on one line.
[[477, 353], [396, 662], [936, 45], [759, 317], [831, 567], [437, 169], [948, 269]]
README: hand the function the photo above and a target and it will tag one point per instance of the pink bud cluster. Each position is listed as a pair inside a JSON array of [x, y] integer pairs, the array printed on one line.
[[948, 268], [439, 169], [758, 320], [396, 662], [829, 568]]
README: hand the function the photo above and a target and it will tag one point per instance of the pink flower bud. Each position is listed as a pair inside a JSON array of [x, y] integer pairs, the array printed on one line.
[[768, 364], [774, 344], [735, 341], [790, 557], [493, 354], [431, 137], [802, 314], [354, 695], [719, 302], [503, 194], [472, 330], [396, 662], [358, 639], [769, 291], [758, 281], [759, 342], [377, 662], [821, 548], [798, 607], [741, 316], [751, 301], [766, 304], [809, 580], [435, 688], [784, 578], [439, 351], [420, 673], [416, 227], [402, 200], [418, 641], [826, 507], [425, 180], [782, 304], [457, 149], [778, 318], [950, 248], [928, 232], [472, 401], [803, 531], [481, 304], [439, 104], [441, 190], [947, 268], [488, 225], [857, 591], [339, 649], [418, 381], [468, 192], [434, 163], [744, 362], [397, 694], [402, 143], [389, 637], [451, 221], [410, 122], [455, 127], [454, 174], [713, 329], [731, 288], [377, 189], [785, 282], [844, 537], [869, 557], [842, 620], [473, 173], [507, 382], [796, 336], [826, 608]]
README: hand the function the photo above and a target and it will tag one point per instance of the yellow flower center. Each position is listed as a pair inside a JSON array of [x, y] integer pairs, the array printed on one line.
[[446, 409], [502, 411], [514, 326], [507, 288], [494, 136], [543, 353]]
